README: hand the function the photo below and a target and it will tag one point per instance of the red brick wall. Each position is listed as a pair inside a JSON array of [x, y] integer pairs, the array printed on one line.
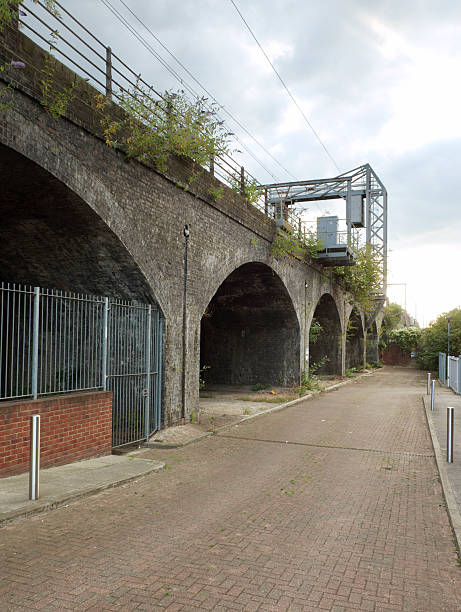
[[72, 427], [392, 355]]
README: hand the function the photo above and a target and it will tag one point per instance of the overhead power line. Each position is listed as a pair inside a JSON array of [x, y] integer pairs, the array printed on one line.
[[183, 83], [285, 87], [223, 108]]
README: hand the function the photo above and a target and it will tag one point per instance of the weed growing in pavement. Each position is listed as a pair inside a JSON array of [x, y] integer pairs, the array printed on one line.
[[269, 400], [309, 380], [259, 387]]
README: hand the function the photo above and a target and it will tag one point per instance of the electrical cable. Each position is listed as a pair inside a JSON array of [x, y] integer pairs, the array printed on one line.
[[206, 90], [149, 48], [286, 88]]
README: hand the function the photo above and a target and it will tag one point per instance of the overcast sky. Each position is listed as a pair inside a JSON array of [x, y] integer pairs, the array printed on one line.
[[378, 80]]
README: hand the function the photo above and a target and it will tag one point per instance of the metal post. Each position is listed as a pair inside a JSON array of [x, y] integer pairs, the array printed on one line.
[[448, 330], [450, 432], [242, 181], [184, 326], [105, 338], [428, 383], [159, 367], [35, 342], [212, 165], [266, 204], [34, 472], [108, 72], [433, 395], [147, 389], [348, 212]]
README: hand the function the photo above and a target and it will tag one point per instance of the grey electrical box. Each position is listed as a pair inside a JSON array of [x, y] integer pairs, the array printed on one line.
[[327, 231], [357, 210]]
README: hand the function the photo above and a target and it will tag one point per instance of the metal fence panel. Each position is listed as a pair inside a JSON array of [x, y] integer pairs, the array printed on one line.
[[453, 373], [16, 339], [133, 372], [70, 342], [458, 390], [53, 341], [442, 368]]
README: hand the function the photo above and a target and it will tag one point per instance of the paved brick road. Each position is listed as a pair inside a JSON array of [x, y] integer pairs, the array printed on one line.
[[333, 505]]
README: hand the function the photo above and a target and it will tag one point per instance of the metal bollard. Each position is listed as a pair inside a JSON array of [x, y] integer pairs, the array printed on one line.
[[450, 432], [433, 395], [34, 474], [428, 383]]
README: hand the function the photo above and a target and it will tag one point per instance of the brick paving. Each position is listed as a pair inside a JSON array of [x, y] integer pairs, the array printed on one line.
[[333, 504]]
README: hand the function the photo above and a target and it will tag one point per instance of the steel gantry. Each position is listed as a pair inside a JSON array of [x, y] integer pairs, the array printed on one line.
[[366, 206]]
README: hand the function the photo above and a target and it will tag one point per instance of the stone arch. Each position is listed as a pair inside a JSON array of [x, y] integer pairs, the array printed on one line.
[[325, 336], [250, 331], [355, 340], [226, 268], [373, 343], [49, 236]]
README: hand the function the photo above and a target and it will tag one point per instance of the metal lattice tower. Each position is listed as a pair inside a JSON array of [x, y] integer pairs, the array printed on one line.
[[361, 188]]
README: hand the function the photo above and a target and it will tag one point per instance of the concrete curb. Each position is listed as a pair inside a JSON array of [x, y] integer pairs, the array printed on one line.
[[59, 500], [206, 434], [454, 515], [243, 419]]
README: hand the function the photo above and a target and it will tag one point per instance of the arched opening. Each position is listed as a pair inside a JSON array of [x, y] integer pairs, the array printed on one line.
[[325, 338], [354, 341], [372, 344], [249, 331], [51, 238]]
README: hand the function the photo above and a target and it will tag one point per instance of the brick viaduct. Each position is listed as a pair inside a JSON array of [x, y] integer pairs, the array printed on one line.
[[77, 216]]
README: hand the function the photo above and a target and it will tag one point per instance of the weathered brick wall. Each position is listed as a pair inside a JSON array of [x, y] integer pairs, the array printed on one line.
[[73, 426], [392, 355], [133, 243]]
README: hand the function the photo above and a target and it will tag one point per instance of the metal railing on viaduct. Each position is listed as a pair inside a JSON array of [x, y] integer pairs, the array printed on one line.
[[96, 63]]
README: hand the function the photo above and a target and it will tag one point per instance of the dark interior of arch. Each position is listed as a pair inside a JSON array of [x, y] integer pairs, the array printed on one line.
[[372, 344], [325, 337], [354, 341], [51, 238], [249, 331]]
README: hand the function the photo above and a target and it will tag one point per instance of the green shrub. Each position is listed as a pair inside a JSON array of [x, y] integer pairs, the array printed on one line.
[[434, 339]]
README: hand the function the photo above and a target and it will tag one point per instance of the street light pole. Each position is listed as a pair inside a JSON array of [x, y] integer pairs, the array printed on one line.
[[448, 351]]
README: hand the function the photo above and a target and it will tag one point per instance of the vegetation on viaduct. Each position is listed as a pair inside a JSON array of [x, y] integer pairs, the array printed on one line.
[[78, 215]]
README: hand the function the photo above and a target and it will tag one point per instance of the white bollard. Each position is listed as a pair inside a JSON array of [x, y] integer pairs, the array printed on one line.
[[433, 395], [450, 432], [34, 473], [428, 383]]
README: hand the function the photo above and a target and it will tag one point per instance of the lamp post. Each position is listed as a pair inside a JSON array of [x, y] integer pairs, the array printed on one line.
[[448, 336], [448, 351], [184, 326]]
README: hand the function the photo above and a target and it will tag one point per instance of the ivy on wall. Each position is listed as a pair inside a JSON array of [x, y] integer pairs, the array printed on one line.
[[363, 280]]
